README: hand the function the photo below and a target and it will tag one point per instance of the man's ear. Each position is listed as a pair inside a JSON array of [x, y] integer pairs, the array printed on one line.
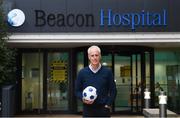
[[88, 56]]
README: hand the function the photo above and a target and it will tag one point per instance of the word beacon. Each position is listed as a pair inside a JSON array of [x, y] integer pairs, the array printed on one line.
[[133, 20]]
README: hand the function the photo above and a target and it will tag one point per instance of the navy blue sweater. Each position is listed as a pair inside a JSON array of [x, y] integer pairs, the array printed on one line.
[[103, 81]]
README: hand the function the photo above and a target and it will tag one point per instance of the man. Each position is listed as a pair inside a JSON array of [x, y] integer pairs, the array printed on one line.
[[102, 79]]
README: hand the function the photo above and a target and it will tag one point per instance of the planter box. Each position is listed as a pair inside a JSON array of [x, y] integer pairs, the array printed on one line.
[[8, 100]]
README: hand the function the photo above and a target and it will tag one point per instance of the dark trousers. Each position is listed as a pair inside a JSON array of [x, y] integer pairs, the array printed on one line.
[[95, 111]]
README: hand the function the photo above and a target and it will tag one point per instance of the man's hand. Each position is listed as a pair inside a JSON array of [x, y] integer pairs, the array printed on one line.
[[87, 101]]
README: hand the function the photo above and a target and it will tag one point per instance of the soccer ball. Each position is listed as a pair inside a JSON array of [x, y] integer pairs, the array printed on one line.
[[89, 93]]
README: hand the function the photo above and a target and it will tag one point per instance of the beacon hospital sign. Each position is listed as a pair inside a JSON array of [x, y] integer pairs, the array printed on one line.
[[107, 18], [133, 20]]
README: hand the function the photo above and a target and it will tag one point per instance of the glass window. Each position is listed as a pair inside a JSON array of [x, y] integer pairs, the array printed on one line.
[[167, 77], [32, 81]]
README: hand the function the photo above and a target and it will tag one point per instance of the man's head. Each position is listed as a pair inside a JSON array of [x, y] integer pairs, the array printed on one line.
[[94, 55]]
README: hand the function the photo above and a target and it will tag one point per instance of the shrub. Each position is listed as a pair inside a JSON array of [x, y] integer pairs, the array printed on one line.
[[7, 55]]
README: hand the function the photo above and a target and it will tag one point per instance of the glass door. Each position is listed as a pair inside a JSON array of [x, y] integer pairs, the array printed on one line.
[[122, 74], [127, 69], [128, 76], [57, 81]]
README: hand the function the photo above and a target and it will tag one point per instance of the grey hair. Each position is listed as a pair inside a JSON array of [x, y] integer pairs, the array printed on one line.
[[94, 46]]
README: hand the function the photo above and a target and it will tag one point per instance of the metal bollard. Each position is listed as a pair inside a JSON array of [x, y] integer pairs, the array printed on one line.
[[162, 105], [147, 98]]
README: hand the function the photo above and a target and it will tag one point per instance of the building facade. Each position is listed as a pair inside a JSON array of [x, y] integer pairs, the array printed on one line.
[[140, 42]]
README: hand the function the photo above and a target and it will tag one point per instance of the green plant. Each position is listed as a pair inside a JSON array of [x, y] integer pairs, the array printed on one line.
[[7, 55]]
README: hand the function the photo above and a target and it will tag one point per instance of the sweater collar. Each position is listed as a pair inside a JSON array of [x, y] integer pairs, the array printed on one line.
[[96, 70]]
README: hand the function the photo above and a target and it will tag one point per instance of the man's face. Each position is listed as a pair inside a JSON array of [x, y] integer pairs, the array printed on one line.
[[94, 56]]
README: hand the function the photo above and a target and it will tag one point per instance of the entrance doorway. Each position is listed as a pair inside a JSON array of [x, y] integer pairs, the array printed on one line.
[[45, 80], [133, 72], [127, 74], [48, 76]]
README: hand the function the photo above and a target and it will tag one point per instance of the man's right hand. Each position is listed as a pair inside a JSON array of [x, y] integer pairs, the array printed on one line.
[[87, 101]]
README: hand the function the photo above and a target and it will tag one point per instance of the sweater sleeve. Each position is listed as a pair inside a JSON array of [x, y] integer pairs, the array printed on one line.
[[112, 89], [79, 86]]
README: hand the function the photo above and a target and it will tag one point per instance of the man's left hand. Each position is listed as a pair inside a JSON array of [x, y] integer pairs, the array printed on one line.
[[87, 101]]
